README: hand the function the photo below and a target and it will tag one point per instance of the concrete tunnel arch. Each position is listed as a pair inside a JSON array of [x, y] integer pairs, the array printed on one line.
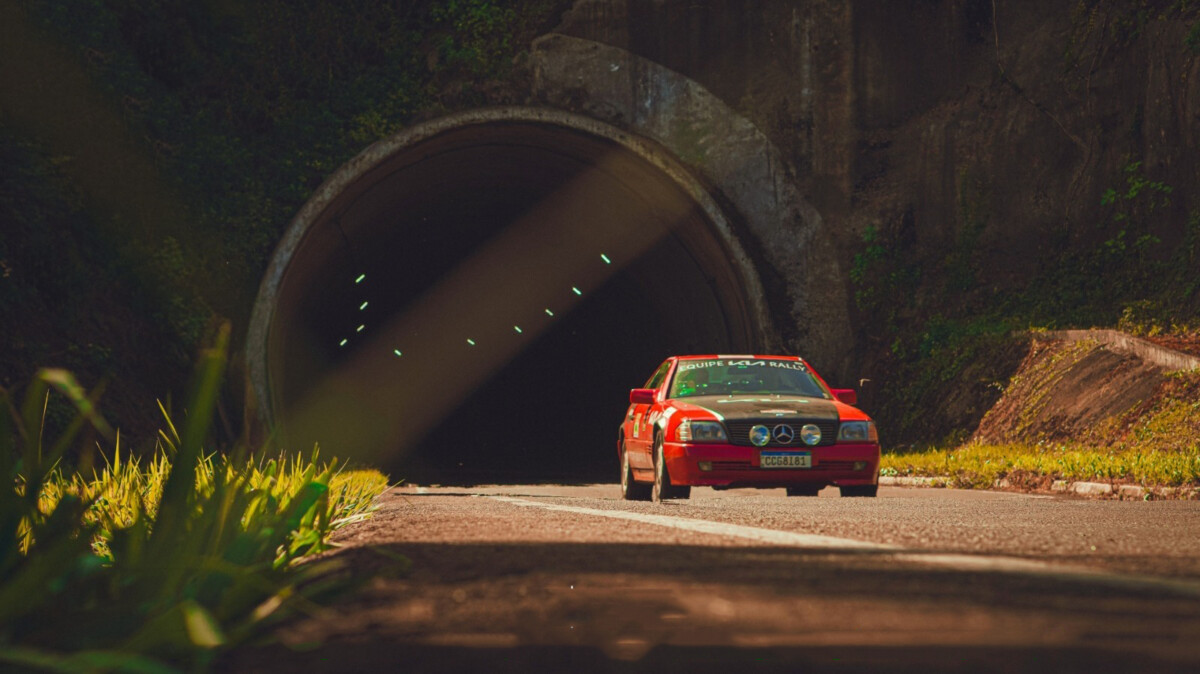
[[486, 190]]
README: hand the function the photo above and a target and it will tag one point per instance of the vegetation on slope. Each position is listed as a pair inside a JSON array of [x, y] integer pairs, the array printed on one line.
[[976, 345], [1070, 205], [1075, 411], [1155, 444], [945, 332]]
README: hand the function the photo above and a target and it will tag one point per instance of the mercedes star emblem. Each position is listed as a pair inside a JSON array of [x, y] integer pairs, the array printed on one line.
[[784, 434]]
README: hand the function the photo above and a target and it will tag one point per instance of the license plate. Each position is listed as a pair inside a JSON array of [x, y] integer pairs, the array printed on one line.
[[785, 459]]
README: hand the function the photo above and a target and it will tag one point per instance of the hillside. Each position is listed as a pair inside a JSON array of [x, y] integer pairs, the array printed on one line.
[[1099, 389], [1088, 406]]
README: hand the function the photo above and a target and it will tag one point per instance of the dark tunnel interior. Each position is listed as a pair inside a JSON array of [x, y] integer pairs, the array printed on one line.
[[490, 295]]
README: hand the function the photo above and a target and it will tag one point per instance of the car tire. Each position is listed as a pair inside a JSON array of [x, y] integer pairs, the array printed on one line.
[[860, 490], [632, 490], [805, 490], [663, 489]]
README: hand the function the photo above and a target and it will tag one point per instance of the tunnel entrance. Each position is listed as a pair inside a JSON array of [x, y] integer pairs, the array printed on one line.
[[472, 301]]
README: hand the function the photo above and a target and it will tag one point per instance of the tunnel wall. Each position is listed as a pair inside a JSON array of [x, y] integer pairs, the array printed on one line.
[[316, 227], [772, 235], [788, 240]]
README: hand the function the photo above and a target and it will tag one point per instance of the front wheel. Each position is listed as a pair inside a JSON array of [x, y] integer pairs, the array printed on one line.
[[631, 490], [865, 490], [663, 489]]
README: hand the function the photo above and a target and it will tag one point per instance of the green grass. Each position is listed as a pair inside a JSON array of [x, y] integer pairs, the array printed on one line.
[[130, 487], [976, 465], [156, 565]]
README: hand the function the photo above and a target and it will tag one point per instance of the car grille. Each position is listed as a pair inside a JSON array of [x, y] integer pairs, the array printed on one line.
[[835, 465], [739, 431], [732, 465]]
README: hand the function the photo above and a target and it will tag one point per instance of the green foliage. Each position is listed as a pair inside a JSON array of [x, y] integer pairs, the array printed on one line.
[[1139, 195], [44, 255], [944, 358], [1153, 317], [1129, 19], [73, 296], [479, 36], [1192, 41], [980, 465], [1094, 286], [249, 106], [882, 274], [243, 109], [943, 330], [1130, 269], [934, 353], [873, 253], [161, 565], [960, 263]]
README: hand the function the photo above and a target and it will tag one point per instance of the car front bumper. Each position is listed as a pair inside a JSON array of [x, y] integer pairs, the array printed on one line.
[[723, 465]]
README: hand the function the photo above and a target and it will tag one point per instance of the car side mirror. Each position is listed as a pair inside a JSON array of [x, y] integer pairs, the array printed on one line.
[[642, 396], [846, 395]]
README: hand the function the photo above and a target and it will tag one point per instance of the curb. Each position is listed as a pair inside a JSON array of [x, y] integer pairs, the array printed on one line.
[[1168, 359], [1124, 492]]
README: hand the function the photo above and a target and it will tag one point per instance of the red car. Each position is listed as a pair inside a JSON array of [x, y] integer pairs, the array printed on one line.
[[744, 421]]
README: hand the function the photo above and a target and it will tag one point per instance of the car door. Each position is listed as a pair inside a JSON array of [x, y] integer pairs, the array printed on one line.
[[639, 434]]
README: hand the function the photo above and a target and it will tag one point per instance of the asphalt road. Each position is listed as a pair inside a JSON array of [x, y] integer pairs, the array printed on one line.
[[552, 578]]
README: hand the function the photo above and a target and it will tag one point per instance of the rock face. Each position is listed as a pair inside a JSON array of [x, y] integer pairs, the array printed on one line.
[[996, 127]]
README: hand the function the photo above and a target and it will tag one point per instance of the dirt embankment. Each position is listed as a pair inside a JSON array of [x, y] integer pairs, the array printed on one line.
[[1085, 387]]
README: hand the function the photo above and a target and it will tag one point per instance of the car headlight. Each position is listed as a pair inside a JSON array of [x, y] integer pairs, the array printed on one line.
[[858, 431], [700, 431]]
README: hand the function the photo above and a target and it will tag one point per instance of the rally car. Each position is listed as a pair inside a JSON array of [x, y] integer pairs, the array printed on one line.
[[744, 421]]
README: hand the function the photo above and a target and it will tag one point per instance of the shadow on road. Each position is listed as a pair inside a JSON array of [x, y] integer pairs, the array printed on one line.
[[388, 657], [575, 607]]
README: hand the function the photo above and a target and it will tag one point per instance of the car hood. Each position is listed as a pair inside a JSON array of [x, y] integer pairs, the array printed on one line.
[[733, 408]]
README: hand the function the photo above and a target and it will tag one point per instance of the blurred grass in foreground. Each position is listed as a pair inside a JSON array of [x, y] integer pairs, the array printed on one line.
[[155, 566], [130, 487], [980, 465]]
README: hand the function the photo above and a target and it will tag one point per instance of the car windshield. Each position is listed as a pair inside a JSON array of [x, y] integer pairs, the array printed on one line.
[[738, 377]]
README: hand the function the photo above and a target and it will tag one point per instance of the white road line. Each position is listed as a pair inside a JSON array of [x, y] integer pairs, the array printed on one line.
[[715, 528], [951, 561]]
